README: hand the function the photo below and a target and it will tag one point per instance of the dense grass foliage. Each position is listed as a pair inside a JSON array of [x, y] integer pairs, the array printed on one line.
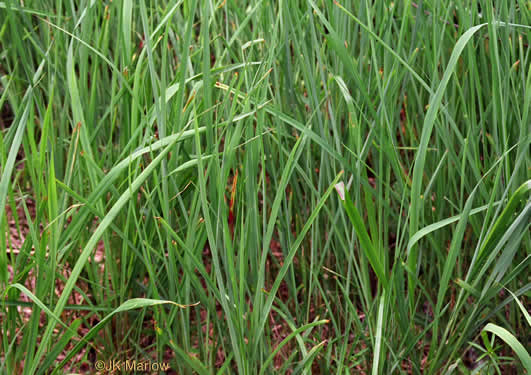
[[260, 186]]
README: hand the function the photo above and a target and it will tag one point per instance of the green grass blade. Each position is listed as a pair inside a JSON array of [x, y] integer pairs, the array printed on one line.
[[420, 158], [510, 340], [367, 244]]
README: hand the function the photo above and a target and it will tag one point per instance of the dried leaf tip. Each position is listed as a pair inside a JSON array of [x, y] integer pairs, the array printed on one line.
[[340, 188]]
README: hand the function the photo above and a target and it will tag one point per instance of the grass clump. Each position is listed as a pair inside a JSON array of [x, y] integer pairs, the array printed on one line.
[[261, 187]]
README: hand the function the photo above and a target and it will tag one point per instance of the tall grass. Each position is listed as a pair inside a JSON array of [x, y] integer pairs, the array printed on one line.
[[168, 172]]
